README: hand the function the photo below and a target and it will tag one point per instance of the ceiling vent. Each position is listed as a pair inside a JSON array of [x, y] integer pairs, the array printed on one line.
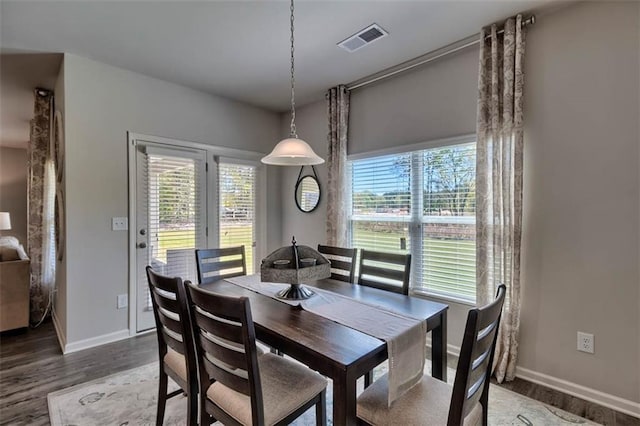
[[362, 38]]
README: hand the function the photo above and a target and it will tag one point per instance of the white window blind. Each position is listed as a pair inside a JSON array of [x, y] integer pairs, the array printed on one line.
[[175, 213], [421, 202], [237, 195]]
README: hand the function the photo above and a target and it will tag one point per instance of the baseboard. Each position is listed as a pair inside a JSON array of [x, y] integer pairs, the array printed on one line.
[[96, 341], [451, 349], [611, 401], [62, 339]]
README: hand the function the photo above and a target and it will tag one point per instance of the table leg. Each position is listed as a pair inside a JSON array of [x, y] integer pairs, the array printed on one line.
[[344, 401], [439, 349]]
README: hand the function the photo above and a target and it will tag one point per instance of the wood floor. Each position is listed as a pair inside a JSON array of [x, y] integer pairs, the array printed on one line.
[[32, 366]]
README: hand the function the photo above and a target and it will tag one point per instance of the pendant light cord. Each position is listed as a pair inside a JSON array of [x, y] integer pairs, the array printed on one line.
[[294, 134]]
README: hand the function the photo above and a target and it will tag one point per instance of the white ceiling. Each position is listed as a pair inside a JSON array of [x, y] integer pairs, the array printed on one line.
[[240, 49]]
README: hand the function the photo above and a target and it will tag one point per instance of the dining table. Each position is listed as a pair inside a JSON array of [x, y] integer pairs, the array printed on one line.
[[334, 350]]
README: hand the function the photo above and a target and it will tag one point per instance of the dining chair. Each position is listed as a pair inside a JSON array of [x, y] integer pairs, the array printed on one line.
[[175, 343], [343, 262], [432, 401], [237, 386], [386, 271], [220, 263]]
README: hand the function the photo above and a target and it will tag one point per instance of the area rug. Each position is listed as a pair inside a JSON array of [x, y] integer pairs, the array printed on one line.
[[130, 397]]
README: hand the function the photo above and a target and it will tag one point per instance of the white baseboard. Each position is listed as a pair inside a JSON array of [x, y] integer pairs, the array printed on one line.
[[611, 401], [96, 341], [451, 349], [62, 339]]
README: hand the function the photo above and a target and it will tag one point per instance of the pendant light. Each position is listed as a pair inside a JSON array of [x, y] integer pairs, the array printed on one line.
[[292, 151]]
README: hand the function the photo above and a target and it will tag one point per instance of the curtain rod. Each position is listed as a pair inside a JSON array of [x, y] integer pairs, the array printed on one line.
[[426, 58]]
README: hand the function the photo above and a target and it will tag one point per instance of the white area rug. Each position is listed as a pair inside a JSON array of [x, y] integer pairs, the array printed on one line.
[[130, 397]]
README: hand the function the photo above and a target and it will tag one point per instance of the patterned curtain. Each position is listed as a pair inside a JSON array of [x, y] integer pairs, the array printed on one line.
[[41, 201], [338, 113], [499, 181]]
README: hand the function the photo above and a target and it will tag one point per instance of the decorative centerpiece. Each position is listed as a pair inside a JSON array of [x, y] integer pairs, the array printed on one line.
[[294, 265]]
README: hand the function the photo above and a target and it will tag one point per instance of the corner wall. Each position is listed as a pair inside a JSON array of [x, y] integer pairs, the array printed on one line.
[[102, 103]]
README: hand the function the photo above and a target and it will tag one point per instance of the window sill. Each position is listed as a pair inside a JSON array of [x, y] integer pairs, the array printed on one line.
[[440, 298]]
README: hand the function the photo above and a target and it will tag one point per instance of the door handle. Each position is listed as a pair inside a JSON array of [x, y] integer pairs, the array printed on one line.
[[142, 245]]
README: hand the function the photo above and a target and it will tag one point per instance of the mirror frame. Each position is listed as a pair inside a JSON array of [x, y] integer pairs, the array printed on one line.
[[314, 176]]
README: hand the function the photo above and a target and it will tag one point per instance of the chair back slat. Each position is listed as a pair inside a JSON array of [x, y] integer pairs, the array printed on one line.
[[166, 300], [224, 329], [170, 322], [386, 271], [232, 379], [220, 263], [173, 342], [224, 351], [471, 384], [377, 271], [343, 262], [218, 319]]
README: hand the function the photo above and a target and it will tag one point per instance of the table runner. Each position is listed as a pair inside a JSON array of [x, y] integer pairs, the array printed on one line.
[[405, 336]]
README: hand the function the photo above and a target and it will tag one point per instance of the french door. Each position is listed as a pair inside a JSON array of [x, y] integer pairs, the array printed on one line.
[[171, 217]]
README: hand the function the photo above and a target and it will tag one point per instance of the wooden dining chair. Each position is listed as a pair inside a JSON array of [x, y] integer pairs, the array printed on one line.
[[238, 387], [435, 402], [175, 343], [343, 262], [386, 271], [220, 263]]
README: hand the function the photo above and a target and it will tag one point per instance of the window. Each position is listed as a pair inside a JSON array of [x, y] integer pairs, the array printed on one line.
[[237, 191], [421, 202]]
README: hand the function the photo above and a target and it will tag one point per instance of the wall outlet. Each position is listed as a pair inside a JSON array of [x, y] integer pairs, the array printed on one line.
[[585, 342], [123, 301], [119, 223]]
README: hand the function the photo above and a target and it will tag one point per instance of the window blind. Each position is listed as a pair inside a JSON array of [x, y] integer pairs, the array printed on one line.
[[174, 214], [237, 195], [421, 202]]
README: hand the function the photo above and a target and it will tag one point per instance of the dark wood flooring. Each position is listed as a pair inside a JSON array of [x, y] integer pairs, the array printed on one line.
[[32, 366]]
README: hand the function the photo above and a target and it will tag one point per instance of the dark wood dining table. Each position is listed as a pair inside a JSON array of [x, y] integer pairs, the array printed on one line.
[[334, 350]]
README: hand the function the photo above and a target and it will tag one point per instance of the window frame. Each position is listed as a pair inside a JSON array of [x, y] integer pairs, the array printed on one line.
[[416, 218]]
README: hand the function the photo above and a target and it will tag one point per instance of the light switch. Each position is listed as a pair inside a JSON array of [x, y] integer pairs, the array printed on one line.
[[119, 223]]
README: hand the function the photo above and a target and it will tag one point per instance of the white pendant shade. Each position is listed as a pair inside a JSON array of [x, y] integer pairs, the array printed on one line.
[[5, 221], [292, 152]]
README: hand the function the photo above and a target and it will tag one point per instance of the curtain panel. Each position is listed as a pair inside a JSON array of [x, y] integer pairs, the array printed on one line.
[[40, 206], [499, 181], [338, 114]]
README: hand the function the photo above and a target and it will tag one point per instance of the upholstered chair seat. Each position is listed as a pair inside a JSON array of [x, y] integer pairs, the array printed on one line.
[[175, 362], [286, 386], [433, 402], [428, 401]]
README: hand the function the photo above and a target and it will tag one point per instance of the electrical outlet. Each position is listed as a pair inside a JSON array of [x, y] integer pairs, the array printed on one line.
[[585, 342], [119, 223], [123, 301]]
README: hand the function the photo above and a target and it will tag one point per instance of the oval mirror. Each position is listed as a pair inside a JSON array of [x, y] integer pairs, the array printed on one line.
[[307, 193]]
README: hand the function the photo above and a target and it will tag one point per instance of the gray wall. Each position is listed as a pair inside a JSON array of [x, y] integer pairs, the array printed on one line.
[[580, 245], [102, 103], [13, 191], [580, 259]]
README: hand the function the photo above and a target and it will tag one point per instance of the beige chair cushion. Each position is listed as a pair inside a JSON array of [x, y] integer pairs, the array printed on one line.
[[427, 403], [286, 386], [175, 362]]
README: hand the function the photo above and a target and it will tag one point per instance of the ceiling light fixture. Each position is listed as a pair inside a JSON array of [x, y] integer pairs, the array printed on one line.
[[292, 151]]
